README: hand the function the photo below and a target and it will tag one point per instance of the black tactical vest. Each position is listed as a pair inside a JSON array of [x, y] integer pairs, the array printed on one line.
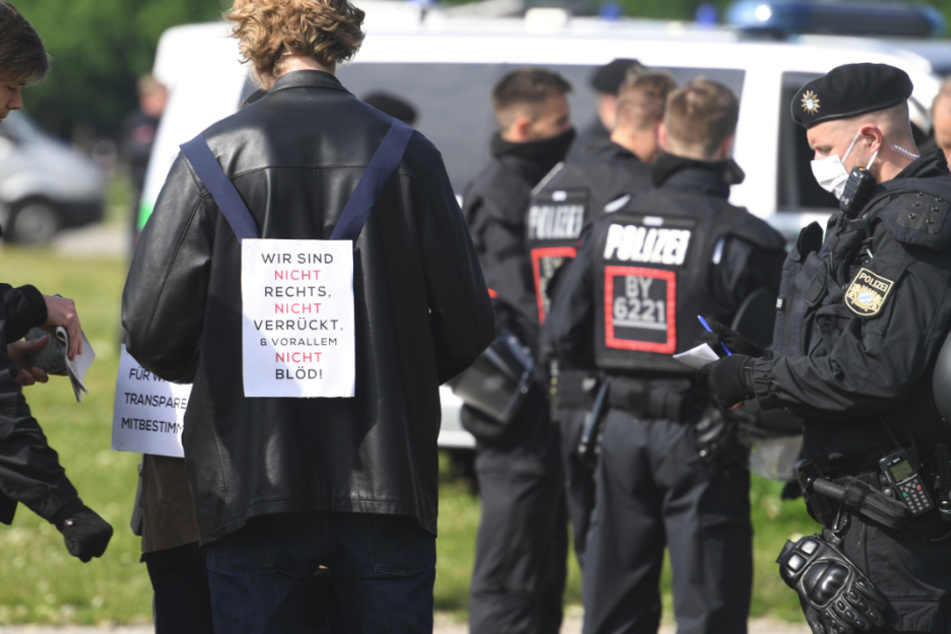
[[567, 198], [555, 219], [652, 277]]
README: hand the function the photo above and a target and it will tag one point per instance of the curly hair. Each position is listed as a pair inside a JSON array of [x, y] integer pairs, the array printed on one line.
[[269, 30], [22, 56]]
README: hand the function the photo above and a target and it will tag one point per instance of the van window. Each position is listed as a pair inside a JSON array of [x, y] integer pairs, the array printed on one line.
[[453, 102], [798, 189]]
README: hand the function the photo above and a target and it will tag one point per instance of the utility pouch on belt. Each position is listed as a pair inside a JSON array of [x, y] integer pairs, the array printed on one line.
[[824, 498], [499, 380]]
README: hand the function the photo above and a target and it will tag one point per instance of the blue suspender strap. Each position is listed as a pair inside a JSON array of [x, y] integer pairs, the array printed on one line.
[[229, 200], [383, 163]]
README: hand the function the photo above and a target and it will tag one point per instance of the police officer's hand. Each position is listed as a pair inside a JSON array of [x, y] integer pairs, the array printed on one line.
[[86, 534], [728, 379], [737, 343], [837, 597]]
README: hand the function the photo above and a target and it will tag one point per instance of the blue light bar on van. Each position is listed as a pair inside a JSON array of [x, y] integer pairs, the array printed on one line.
[[836, 18]]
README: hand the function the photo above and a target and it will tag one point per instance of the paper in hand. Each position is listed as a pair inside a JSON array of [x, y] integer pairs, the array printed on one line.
[[52, 358], [698, 357]]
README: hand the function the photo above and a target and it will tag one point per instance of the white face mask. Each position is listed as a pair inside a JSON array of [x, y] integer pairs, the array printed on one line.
[[830, 172]]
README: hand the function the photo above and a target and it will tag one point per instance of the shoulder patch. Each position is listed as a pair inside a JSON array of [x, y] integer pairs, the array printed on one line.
[[867, 293]]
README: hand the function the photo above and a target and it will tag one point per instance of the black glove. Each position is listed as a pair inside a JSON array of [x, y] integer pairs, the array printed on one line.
[[737, 343], [717, 437], [837, 597], [86, 534], [728, 379]]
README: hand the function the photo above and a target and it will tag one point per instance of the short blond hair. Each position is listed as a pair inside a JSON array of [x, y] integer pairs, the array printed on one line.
[[701, 115], [642, 99], [269, 30]]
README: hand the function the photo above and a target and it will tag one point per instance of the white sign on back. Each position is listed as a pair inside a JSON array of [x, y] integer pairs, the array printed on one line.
[[298, 331], [149, 412]]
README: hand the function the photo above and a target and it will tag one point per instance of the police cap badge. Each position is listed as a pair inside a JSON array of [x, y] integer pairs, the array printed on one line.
[[848, 91]]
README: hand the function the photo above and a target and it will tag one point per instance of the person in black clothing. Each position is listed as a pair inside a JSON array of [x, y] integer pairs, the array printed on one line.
[[29, 468], [393, 106], [862, 315], [606, 81], [137, 136], [569, 198], [521, 548], [626, 304]]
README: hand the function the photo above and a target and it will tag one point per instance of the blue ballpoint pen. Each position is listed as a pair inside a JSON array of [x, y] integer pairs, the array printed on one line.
[[703, 322]]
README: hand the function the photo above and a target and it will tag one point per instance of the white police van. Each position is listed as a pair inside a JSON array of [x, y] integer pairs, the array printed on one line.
[[445, 65]]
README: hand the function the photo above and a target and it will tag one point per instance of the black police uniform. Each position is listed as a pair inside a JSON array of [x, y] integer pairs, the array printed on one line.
[[862, 317], [569, 197], [521, 547], [627, 303]]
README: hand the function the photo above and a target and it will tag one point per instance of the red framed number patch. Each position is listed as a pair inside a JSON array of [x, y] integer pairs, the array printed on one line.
[[545, 262], [640, 308]]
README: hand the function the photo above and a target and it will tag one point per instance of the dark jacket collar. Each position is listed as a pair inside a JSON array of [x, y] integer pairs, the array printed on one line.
[[929, 164], [307, 79], [544, 154], [713, 178], [603, 149]]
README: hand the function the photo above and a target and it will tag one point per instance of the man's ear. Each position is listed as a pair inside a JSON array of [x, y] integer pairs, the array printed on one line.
[[662, 136], [872, 136], [518, 132], [725, 147]]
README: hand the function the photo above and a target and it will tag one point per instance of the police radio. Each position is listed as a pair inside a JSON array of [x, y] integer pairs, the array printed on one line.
[[900, 469], [858, 191]]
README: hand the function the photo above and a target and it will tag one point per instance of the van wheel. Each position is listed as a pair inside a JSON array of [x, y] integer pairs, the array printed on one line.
[[35, 222]]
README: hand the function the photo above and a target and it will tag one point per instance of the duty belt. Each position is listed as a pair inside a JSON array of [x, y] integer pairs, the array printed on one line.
[[672, 399], [571, 393]]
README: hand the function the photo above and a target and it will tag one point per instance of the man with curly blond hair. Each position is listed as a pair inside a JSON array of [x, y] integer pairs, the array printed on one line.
[[285, 487]]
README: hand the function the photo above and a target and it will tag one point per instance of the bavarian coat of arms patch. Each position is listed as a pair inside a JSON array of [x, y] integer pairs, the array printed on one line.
[[867, 293]]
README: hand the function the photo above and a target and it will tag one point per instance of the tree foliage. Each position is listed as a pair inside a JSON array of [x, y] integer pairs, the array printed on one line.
[[99, 48]]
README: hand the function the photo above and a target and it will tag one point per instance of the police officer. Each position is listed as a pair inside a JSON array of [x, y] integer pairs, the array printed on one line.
[[568, 198], [521, 547], [627, 303], [606, 81], [862, 316]]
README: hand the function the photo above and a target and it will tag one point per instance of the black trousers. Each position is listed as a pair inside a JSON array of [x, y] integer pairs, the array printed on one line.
[[915, 577], [653, 490], [182, 600], [521, 548], [579, 479]]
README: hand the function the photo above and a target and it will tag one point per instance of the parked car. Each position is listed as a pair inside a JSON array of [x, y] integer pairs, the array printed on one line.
[[45, 185], [446, 66]]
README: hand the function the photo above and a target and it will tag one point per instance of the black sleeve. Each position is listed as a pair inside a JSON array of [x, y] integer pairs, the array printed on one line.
[[570, 326], [30, 471], [877, 360], [25, 308]]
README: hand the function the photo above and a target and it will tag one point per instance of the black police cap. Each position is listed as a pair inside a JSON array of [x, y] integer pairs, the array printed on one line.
[[392, 105], [848, 91], [608, 78]]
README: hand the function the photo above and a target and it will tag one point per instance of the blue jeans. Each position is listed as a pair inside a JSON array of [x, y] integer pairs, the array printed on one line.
[[382, 569]]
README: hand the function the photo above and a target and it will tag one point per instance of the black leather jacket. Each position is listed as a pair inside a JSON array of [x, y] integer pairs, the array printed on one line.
[[421, 307]]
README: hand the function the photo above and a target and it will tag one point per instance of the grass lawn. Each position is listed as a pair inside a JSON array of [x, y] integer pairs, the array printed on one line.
[[41, 583]]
